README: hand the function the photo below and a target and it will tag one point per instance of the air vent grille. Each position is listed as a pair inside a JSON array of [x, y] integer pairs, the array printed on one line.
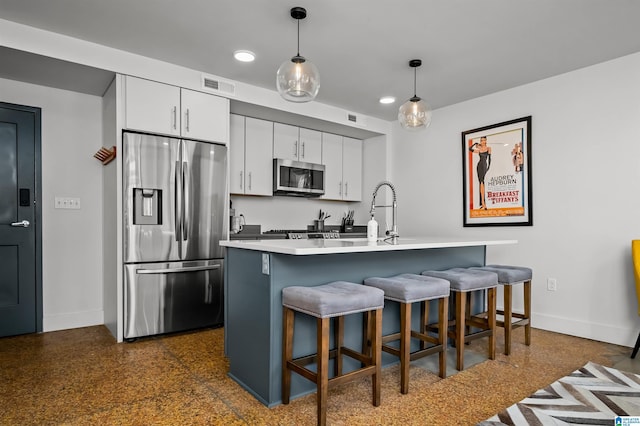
[[215, 85], [211, 84], [354, 118]]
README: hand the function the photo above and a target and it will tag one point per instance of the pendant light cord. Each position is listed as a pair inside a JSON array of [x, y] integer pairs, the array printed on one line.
[[415, 92], [298, 37]]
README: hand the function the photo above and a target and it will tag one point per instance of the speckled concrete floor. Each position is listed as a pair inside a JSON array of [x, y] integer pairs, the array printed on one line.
[[82, 377]]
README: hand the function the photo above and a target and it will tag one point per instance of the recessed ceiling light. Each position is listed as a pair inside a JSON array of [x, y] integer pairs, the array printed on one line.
[[244, 55], [387, 100]]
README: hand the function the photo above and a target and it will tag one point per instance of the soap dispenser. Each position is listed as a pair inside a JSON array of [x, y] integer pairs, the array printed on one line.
[[372, 230]]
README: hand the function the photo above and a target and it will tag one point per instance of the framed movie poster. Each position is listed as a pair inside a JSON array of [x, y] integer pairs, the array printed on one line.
[[496, 172]]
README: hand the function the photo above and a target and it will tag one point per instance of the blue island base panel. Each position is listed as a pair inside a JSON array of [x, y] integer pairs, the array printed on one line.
[[253, 328]]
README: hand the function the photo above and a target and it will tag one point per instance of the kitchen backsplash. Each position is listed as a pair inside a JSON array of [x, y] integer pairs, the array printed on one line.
[[295, 213]]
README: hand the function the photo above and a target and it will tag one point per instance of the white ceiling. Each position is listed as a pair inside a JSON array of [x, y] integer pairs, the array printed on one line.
[[469, 48]]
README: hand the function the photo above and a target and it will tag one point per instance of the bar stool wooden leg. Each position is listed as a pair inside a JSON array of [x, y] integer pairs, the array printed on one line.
[[492, 322], [443, 322], [376, 355], [461, 301], [405, 345], [338, 338], [508, 315], [323, 326], [424, 321], [527, 312], [467, 312], [287, 352]]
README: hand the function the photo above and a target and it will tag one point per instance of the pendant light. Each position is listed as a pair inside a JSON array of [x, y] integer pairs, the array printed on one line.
[[298, 79], [414, 114]]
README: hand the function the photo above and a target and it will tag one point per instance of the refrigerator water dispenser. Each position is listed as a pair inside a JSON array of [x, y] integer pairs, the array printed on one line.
[[147, 206]]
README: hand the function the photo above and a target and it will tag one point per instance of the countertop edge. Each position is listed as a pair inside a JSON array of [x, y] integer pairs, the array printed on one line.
[[320, 247]]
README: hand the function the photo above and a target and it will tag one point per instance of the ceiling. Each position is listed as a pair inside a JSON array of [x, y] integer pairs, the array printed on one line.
[[469, 48]]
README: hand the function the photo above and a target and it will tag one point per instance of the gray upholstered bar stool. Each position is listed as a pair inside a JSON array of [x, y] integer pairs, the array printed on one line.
[[407, 289], [324, 302], [508, 276], [463, 281]]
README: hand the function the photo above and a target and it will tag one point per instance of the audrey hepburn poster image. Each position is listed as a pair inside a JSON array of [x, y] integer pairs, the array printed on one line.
[[497, 174]]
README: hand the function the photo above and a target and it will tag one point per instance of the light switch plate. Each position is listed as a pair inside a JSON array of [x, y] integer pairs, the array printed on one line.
[[67, 203]]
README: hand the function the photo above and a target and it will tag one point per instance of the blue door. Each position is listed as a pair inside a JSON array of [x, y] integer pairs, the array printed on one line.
[[20, 282]]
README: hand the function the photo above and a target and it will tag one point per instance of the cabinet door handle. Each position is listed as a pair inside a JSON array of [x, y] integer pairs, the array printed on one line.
[[340, 188], [302, 149], [250, 180], [175, 117], [346, 189], [187, 119], [295, 149], [241, 175]]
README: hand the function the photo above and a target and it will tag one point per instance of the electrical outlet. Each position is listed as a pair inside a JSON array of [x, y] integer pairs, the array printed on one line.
[[552, 284], [265, 263]]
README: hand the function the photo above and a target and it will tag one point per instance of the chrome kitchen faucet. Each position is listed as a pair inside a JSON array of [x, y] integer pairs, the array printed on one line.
[[393, 233]]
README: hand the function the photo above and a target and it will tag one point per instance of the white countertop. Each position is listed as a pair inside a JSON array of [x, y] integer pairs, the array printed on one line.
[[354, 245]]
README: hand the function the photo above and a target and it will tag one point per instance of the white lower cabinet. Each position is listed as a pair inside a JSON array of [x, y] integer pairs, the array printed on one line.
[[250, 156], [342, 158]]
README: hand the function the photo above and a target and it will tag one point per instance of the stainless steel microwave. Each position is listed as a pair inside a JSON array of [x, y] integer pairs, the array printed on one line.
[[298, 179]]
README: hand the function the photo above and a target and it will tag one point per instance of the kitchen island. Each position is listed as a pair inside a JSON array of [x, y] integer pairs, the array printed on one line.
[[256, 271]]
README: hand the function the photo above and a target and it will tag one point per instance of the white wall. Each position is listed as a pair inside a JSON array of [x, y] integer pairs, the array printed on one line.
[[71, 239], [586, 150]]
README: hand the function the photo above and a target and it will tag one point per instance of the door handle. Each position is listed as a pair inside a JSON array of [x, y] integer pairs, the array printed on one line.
[[175, 117], [23, 224], [185, 200]]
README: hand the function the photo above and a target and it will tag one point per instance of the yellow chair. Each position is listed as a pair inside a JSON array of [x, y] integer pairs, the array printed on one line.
[[635, 254]]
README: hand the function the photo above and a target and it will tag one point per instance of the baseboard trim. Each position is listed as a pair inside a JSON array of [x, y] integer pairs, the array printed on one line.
[[72, 320], [588, 330]]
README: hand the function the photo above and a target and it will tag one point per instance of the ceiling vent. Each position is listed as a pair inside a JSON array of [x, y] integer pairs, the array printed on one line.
[[216, 85], [355, 119]]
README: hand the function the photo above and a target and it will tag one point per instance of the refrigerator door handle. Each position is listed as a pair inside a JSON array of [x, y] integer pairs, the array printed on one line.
[[176, 205], [172, 270], [185, 198]]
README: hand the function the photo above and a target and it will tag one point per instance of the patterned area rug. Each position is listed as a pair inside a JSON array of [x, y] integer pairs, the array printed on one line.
[[592, 395]]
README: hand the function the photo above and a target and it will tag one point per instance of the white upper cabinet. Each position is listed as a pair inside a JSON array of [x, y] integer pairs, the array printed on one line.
[[250, 156], [152, 106], [332, 160], [236, 154], [342, 159], [298, 144], [310, 146], [204, 116], [352, 169], [165, 109]]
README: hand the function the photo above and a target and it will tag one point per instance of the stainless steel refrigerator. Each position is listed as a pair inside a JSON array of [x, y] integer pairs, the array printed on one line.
[[175, 193]]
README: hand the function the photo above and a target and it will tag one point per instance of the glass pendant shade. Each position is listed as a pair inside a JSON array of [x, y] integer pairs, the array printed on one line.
[[298, 80], [414, 114]]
